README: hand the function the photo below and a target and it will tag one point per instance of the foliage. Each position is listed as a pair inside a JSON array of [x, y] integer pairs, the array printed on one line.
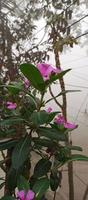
[[37, 135]]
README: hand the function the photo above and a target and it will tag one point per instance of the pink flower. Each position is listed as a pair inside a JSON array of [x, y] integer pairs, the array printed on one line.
[[22, 195], [26, 83], [10, 105], [61, 121], [49, 110], [69, 125], [46, 70]]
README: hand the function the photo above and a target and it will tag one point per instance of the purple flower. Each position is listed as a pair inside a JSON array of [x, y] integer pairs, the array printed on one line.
[[49, 110], [22, 195], [69, 125], [26, 83], [61, 121], [46, 70], [10, 105]]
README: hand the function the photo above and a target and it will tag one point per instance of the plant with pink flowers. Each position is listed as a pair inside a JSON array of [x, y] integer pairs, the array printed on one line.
[[33, 131]]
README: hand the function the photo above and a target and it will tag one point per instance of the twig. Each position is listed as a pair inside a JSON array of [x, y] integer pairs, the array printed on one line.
[[86, 193], [54, 98], [3, 155], [54, 195]]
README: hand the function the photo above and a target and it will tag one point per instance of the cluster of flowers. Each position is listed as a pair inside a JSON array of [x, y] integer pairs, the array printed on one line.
[[46, 71], [22, 195]]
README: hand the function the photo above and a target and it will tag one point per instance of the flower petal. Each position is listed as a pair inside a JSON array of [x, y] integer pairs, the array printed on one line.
[[59, 120], [21, 195], [30, 195], [46, 70], [11, 105], [49, 110], [69, 125]]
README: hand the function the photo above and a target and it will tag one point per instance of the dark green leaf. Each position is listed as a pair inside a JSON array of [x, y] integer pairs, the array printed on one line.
[[39, 118], [31, 103], [42, 167], [7, 133], [15, 88], [43, 142], [21, 152], [42, 117], [2, 185], [11, 121], [63, 158], [22, 183], [7, 144], [51, 116], [57, 76], [6, 197], [55, 180], [12, 179], [33, 75], [2, 178], [78, 157], [40, 187], [51, 133], [61, 93], [77, 148]]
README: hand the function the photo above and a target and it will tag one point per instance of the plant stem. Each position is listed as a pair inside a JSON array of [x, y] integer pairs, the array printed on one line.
[[54, 98], [54, 195], [41, 100], [64, 112]]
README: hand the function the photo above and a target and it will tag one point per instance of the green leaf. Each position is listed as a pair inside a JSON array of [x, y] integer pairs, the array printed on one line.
[[77, 148], [7, 144], [55, 180], [51, 133], [22, 183], [40, 187], [42, 167], [57, 76], [2, 178], [77, 157], [51, 116], [12, 179], [15, 88], [33, 75], [7, 133], [31, 103], [42, 117], [63, 158], [39, 118], [2, 185], [11, 121], [21, 152], [61, 93], [43, 142], [7, 197]]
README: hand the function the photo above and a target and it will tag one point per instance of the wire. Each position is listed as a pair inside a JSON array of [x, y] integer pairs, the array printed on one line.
[[36, 46], [58, 15], [80, 179], [86, 33], [78, 21], [80, 107]]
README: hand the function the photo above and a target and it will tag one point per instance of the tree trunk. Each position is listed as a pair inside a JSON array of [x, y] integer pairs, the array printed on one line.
[[64, 112]]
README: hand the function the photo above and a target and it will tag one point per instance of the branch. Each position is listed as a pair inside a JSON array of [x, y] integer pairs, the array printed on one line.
[[54, 98]]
